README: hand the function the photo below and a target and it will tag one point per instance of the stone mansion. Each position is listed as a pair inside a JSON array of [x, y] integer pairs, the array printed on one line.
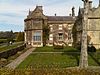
[[61, 27]]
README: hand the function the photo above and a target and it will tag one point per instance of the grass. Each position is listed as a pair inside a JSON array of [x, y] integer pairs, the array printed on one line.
[[54, 61], [6, 47], [57, 60], [48, 61], [3, 40], [51, 49]]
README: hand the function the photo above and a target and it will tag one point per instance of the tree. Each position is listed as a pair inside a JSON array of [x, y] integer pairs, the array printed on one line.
[[20, 37], [45, 34], [84, 55], [10, 36]]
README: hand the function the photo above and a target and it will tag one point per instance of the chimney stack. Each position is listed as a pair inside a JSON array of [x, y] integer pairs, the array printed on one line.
[[70, 14], [39, 8], [73, 11], [29, 12], [55, 14]]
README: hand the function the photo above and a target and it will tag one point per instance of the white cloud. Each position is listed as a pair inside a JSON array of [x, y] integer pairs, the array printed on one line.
[[15, 11]]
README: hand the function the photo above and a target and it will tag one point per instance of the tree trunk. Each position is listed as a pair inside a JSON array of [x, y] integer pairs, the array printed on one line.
[[84, 55]]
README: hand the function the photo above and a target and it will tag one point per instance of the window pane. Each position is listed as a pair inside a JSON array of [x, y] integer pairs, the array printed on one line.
[[37, 36]]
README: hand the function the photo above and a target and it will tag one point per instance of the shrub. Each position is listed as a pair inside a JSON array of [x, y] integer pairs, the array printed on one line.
[[51, 71], [91, 49], [58, 47]]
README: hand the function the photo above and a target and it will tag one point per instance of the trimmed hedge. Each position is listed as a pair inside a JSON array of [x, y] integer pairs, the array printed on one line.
[[58, 47], [52, 71], [11, 52]]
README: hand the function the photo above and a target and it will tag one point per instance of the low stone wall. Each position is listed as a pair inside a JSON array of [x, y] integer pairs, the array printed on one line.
[[11, 52]]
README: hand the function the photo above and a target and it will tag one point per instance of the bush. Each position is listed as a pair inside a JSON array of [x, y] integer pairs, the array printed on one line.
[[91, 49], [52, 71], [58, 47]]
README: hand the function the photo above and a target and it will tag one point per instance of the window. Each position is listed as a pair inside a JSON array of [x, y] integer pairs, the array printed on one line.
[[37, 36], [51, 37], [60, 36], [60, 27], [51, 28], [69, 35]]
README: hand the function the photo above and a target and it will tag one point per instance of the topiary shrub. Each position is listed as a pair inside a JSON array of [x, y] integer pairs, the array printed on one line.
[[91, 49]]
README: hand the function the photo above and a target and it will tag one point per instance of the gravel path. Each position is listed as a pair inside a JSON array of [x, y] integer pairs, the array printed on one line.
[[18, 60]]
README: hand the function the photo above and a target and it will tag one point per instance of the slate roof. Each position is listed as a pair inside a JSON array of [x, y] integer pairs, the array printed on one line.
[[60, 18]]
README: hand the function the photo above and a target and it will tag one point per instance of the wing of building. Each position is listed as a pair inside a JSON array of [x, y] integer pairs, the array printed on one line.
[[60, 28], [93, 27]]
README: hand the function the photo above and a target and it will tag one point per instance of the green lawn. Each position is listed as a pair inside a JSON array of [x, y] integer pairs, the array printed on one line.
[[6, 47], [2, 41], [51, 49], [57, 60], [48, 61]]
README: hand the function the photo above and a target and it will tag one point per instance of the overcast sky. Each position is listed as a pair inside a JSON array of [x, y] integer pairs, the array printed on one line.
[[13, 12]]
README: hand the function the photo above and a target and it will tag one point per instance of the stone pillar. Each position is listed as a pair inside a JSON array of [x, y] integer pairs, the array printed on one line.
[[84, 55]]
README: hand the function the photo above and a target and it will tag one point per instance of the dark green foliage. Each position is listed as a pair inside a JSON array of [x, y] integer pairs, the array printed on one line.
[[74, 32], [58, 47], [52, 49], [91, 49], [45, 34], [77, 31], [20, 37], [10, 36]]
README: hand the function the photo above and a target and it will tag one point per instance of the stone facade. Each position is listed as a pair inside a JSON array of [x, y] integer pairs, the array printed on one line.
[[60, 28], [93, 27]]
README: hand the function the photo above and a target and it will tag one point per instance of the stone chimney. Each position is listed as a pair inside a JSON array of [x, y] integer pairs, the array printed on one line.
[[29, 12], [55, 14], [70, 14], [73, 11], [39, 8], [90, 4]]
